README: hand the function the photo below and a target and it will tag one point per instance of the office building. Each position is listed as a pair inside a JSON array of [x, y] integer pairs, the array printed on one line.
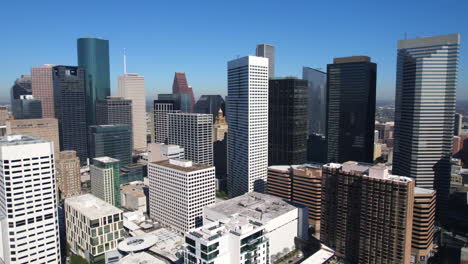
[[385, 131], [28, 206], [287, 126], [317, 99], [180, 86], [161, 109], [267, 51], [114, 141], [423, 224], [210, 104], [367, 214], [133, 172], [247, 111], [70, 109], [22, 86], [220, 129], [282, 221], [317, 148], [178, 192], [351, 84], [43, 89], [105, 180], [133, 196], [45, 128], [161, 151], [132, 87], [301, 184], [182, 101], [424, 111], [26, 107], [94, 227], [68, 174], [114, 111], [194, 133], [93, 57], [458, 125]]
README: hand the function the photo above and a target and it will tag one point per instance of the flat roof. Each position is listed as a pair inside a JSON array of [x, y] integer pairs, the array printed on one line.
[[91, 206], [258, 206], [235, 224], [15, 139], [321, 256], [419, 190], [137, 243], [106, 159], [194, 167], [141, 258], [133, 188]]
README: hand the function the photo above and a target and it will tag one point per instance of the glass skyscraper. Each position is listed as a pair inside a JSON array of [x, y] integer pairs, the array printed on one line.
[[351, 85], [182, 101], [113, 141], [424, 111], [93, 57], [210, 104]]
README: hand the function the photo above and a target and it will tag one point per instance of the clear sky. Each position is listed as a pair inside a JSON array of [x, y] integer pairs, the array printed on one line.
[[199, 37]]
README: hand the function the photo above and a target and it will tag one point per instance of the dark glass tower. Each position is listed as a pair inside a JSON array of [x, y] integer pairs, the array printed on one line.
[[287, 126], [93, 57], [210, 104], [351, 84], [113, 141], [114, 111], [70, 109], [181, 101]]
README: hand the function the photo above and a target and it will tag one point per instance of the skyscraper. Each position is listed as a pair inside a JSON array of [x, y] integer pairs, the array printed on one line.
[[114, 111], [247, 111], [68, 174], [26, 107], [458, 125], [132, 87], [210, 104], [287, 126], [93, 57], [317, 99], [70, 109], [175, 185], [28, 206], [220, 129], [161, 109], [182, 101], [22, 86], [351, 85], [425, 110], [43, 89], [114, 141], [194, 133], [180, 85], [105, 179], [267, 51]]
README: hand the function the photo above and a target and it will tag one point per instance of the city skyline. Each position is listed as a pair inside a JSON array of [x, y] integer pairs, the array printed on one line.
[[155, 52]]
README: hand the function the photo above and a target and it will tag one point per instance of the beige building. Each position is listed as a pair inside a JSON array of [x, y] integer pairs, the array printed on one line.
[[132, 87], [3, 114], [43, 89], [68, 174], [45, 128], [220, 127], [133, 197], [423, 224], [93, 226]]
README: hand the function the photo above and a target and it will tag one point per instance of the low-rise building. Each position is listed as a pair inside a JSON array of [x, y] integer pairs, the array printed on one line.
[[94, 227], [133, 197]]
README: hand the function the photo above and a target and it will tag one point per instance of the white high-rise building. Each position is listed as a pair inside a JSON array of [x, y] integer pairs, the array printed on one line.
[[160, 111], [178, 192], [193, 132], [247, 112], [105, 179], [28, 209], [132, 87]]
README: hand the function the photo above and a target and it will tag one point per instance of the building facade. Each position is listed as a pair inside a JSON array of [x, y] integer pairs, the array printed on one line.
[[160, 151], [26, 107], [180, 86], [45, 128], [425, 110], [68, 174], [114, 111], [114, 141], [178, 192], [247, 111], [194, 133], [93, 57], [423, 225], [210, 104], [94, 227], [43, 89], [70, 109], [220, 129], [161, 109], [182, 101], [267, 51], [132, 87], [317, 99], [287, 126], [351, 90], [28, 207], [105, 180]]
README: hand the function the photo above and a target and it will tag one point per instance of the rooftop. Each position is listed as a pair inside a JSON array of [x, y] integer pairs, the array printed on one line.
[[258, 206], [141, 258], [133, 188], [15, 139], [106, 159], [235, 224], [91, 206], [194, 167], [419, 190], [137, 243], [379, 171]]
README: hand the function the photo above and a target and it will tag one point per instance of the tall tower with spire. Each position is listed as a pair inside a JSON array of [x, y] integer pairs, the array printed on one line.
[[220, 127]]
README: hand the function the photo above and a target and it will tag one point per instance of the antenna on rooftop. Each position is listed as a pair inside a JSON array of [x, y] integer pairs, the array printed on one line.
[[125, 60]]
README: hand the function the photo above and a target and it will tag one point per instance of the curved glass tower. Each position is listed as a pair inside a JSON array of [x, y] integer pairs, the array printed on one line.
[[93, 57]]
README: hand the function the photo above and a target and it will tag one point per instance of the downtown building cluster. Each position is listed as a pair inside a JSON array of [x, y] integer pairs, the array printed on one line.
[[292, 155]]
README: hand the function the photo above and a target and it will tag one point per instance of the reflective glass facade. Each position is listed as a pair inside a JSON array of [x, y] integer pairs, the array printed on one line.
[[113, 141]]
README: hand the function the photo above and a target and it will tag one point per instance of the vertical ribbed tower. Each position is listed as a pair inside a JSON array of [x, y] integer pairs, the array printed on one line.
[[424, 111]]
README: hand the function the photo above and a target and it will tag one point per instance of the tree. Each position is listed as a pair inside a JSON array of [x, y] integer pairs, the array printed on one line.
[[78, 260]]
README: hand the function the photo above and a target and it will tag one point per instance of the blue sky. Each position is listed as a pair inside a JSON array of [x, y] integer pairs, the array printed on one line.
[[199, 37]]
